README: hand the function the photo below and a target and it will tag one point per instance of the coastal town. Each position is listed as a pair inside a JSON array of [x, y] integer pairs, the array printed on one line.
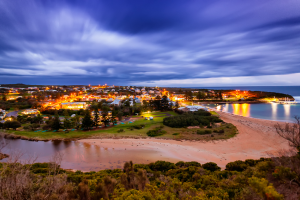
[[72, 112], [31, 100]]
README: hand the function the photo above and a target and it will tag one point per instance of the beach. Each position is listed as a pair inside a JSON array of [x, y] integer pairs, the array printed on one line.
[[257, 138]]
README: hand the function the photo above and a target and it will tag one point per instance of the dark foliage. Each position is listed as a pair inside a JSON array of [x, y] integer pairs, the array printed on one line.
[[199, 118]]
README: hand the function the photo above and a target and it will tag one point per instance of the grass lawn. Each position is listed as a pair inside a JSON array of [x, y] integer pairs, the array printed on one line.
[[112, 132], [214, 113]]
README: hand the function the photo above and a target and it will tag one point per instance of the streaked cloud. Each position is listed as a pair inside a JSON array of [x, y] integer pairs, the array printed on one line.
[[142, 41]]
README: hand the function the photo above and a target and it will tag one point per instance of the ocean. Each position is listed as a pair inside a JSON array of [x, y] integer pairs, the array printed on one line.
[[270, 111], [277, 112], [291, 90]]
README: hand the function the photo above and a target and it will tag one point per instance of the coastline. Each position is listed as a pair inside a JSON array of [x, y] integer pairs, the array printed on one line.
[[257, 138]]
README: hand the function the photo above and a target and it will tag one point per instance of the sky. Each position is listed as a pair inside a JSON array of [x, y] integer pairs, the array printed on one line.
[[150, 42]]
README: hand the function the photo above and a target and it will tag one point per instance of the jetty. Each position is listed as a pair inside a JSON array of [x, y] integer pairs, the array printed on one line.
[[287, 101]]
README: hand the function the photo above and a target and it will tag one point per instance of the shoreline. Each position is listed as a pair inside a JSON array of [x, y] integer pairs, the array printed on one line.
[[14, 136], [257, 138]]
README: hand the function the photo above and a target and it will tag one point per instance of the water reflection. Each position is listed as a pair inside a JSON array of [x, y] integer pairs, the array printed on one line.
[[82, 156], [287, 110], [241, 109], [274, 111], [271, 111]]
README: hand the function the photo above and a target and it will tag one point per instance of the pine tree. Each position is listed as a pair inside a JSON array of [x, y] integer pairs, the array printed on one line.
[[96, 118], [66, 113], [67, 123], [87, 121], [56, 122]]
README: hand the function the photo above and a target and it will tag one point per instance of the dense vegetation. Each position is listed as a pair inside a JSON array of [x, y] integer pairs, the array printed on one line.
[[156, 132], [250, 179], [199, 118]]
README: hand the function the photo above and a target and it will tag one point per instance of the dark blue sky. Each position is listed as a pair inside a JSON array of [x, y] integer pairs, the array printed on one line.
[[150, 42]]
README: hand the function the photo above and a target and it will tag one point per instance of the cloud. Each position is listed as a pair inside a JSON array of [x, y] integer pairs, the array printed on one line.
[[148, 41], [268, 80]]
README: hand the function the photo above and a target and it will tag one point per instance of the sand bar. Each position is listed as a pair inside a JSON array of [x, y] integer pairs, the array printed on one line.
[[256, 138]]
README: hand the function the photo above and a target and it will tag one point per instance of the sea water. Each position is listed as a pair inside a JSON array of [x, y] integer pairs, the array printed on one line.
[[270, 111]]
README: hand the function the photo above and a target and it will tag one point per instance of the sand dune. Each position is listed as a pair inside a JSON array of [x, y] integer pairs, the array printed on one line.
[[256, 139]]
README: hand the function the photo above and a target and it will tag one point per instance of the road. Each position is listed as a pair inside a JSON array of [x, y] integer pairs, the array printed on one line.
[[13, 113]]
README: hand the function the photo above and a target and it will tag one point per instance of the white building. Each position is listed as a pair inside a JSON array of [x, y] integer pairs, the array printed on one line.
[[116, 102]]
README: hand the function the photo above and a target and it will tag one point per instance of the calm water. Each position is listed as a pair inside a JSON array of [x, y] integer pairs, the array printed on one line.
[[79, 155], [291, 90], [270, 111]]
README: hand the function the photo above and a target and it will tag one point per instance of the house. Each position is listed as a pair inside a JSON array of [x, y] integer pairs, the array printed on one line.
[[74, 105], [192, 108], [31, 112], [116, 102], [110, 100], [2, 114]]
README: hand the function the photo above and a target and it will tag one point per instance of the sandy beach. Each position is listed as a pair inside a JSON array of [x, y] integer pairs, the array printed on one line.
[[256, 138]]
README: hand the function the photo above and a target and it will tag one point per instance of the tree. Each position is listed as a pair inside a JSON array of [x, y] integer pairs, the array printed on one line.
[[56, 122], [66, 113], [96, 117], [164, 105], [4, 97], [120, 115], [290, 132], [87, 121], [176, 104], [37, 119], [12, 124], [220, 95], [188, 95], [67, 123], [200, 95], [76, 120]]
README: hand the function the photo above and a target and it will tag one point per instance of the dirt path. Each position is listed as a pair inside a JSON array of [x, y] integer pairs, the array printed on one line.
[[256, 138]]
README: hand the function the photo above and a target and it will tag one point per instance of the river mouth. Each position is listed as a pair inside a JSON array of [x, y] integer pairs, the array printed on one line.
[[84, 156]]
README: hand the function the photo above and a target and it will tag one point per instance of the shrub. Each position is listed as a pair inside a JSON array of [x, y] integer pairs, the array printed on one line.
[[221, 131], [180, 164], [46, 127], [236, 166], [138, 126], [162, 166], [156, 132], [211, 166], [27, 127], [199, 118], [192, 163], [12, 124], [120, 130], [262, 187], [250, 162], [200, 132], [203, 132], [175, 133]]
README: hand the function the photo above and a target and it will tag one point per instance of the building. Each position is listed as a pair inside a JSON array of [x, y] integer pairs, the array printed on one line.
[[30, 112], [74, 105], [116, 102], [192, 108], [2, 114]]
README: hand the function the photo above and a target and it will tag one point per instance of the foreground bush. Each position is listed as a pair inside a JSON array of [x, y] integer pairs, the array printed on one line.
[[158, 180]]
